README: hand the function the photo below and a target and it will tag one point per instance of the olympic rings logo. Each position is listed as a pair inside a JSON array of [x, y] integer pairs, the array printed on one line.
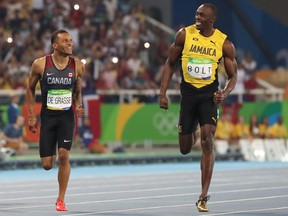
[[166, 123]]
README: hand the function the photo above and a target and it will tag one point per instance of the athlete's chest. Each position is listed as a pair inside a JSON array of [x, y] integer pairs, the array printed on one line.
[[196, 45], [54, 77]]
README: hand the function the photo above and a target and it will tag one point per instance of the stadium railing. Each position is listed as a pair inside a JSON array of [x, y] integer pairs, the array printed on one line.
[[263, 94]]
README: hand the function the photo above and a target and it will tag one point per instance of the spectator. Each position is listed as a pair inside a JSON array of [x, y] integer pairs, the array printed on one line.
[[111, 6], [77, 17], [108, 80], [250, 84], [134, 62], [240, 84], [13, 109], [130, 21], [264, 128], [125, 6], [254, 126], [142, 81], [13, 136], [5, 81], [241, 129], [225, 128], [278, 130], [88, 140], [249, 63], [87, 82]]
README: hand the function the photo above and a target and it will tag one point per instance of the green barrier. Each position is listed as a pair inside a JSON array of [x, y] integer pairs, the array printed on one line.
[[130, 123], [261, 109], [137, 123], [4, 115]]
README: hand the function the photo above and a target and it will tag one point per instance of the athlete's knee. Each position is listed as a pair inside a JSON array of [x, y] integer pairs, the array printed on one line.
[[185, 147], [48, 162], [185, 151], [63, 156], [207, 144], [47, 166], [186, 142]]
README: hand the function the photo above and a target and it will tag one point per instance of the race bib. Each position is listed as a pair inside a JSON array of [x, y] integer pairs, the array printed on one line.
[[200, 68], [59, 99]]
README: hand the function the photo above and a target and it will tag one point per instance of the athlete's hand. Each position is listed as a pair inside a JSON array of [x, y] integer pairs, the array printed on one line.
[[32, 123], [79, 111], [163, 102], [218, 97]]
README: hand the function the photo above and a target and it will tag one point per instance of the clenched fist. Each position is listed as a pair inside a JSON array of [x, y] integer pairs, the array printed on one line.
[[219, 96]]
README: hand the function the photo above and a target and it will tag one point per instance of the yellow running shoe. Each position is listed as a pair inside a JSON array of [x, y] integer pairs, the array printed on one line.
[[201, 204]]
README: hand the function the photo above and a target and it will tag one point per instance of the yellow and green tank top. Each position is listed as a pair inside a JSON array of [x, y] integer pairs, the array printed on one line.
[[199, 61]]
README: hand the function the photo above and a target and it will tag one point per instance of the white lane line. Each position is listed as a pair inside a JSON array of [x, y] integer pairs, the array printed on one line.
[[149, 197], [101, 201], [248, 211], [96, 180], [185, 205], [113, 180], [129, 210], [97, 186], [100, 193], [138, 185], [133, 191]]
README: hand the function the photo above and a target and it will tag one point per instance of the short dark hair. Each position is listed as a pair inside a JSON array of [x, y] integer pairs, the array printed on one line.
[[55, 34], [213, 8]]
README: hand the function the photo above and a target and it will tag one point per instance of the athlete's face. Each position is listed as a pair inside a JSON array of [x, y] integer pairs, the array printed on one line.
[[204, 18], [64, 44]]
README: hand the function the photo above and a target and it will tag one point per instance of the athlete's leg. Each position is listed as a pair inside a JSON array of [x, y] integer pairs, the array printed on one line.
[[208, 157], [63, 172], [187, 126], [186, 142], [47, 142], [48, 162], [65, 133]]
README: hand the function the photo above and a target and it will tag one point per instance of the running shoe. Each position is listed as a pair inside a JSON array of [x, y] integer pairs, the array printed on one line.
[[60, 206], [201, 204]]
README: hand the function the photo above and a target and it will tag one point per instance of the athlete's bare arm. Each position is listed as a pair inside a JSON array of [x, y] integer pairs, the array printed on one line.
[[35, 75], [231, 70], [174, 54], [80, 70]]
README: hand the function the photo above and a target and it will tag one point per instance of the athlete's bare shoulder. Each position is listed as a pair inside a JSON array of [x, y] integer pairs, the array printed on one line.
[[80, 67], [38, 65], [40, 61], [180, 36], [228, 49], [78, 62]]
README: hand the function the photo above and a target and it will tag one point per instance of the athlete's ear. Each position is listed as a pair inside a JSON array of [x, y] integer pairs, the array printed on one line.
[[54, 45], [213, 19]]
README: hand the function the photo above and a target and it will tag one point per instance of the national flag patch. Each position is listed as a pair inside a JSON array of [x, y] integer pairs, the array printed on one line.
[[70, 74]]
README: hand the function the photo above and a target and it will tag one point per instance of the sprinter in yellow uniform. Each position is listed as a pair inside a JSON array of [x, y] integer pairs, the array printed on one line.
[[200, 47]]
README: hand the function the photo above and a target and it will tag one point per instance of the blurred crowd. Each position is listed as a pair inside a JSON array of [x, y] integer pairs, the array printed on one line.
[[246, 78], [252, 128], [120, 49]]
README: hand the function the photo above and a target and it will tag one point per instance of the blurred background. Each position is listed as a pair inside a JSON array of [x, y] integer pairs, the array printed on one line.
[[124, 44]]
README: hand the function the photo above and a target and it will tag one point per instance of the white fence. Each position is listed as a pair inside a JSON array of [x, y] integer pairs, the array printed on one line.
[[257, 149], [262, 94]]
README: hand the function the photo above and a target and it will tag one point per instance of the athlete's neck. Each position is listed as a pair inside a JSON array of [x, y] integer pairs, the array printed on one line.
[[207, 32], [60, 60]]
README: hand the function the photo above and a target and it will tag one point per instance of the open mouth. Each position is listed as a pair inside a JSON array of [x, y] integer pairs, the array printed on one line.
[[198, 23], [68, 49]]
